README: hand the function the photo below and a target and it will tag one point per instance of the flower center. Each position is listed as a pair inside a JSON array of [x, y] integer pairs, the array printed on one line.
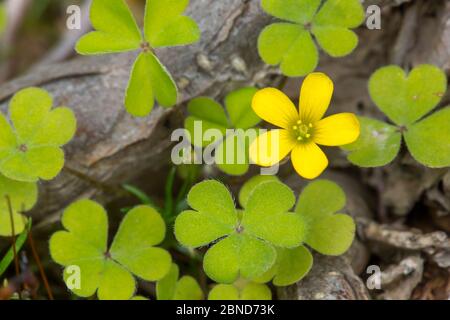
[[302, 131]]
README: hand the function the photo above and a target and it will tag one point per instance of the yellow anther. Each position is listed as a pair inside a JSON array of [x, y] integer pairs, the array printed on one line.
[[299, 138], [299, 121], [308, 135], [310, 125], [295, 127]]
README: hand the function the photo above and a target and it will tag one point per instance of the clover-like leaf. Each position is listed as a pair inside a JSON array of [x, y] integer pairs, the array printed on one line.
[[231, 146], [165, 26], [291, 266], [249, 291], [22, 196], [110, 272], [428, 140], [246, 240], [406, 99], [378, 144], [332, 23], [172, 288], [31, 149], [115, 29], [149, 80], [291, 46], [327, 232]]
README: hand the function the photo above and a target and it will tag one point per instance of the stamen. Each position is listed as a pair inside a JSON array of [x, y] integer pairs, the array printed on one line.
[[299, 121], [295, 127], [299, 138], [310, 125], [308, 135]]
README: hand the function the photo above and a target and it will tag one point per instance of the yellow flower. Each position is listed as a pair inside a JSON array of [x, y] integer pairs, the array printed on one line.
[[301, 131]]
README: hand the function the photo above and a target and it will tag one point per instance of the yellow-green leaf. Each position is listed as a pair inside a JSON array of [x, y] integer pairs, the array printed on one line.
[[115, 29]]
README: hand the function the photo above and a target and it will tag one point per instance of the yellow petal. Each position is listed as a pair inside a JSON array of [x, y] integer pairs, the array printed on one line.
[[337, 130], [275, 107], [271, 147], [309, 160], [315, 96]]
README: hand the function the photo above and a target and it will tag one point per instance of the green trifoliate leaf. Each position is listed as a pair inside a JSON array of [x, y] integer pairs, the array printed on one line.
[[165, 26], [299, 11], [236, 255], [149, 80], [377, 145], [250, 291], [249, 238], [289, 45], [428, 140], [211, 116], [331, 26], [115, 29], [250, 185], [31, 149], [108, 272], [239, 107], [172, 288], [266, 215], [291, 266], [22, 196], [327, 233], [406, 99], [215, 216]]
